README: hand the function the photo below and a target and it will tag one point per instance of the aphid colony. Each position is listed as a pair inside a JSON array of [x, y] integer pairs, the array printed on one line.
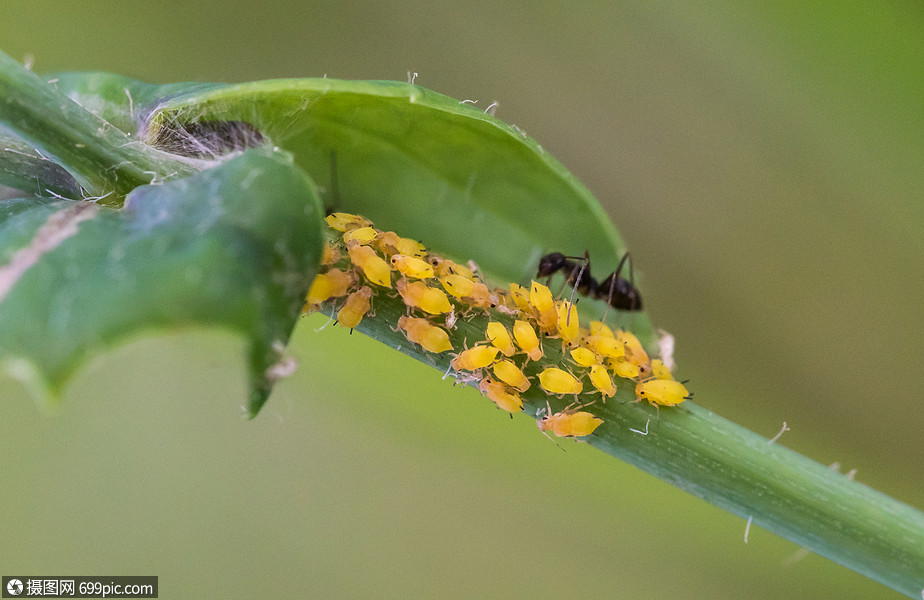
[[362, 262]]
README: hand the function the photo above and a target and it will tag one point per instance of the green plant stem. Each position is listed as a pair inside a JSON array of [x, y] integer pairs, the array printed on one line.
[[103, 160], [722, 463]]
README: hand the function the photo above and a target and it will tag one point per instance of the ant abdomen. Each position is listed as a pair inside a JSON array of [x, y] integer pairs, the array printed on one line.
[[617, 292]]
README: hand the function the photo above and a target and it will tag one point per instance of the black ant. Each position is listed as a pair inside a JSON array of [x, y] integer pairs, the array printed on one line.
[[618, 292]]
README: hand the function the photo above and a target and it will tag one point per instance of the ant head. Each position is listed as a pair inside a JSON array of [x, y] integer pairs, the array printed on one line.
[[550, 263]]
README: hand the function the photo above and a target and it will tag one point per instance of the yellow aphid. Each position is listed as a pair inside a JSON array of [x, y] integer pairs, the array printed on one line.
[[500, 395], [568, 327], [570, 423], [421, 331], [346, 221], [329, 255], [371, 264], [390, 242], [458, 286], [520, 297], [526, 339], [474, 358], [332, 284], [635, 354], [417, 294], [662, 392], [363, 235], [540, 298], [411, 266], [623, 369], [600, 328], [356, 306], [584, 357], [555, 381], [510, 374], [482, 297], [465, 271], [498, 335], [444, 267], [605, 345], [660, 370], [602, 381]]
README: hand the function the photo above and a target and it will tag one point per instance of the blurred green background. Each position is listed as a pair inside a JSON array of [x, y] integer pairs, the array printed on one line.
[[766, 167]]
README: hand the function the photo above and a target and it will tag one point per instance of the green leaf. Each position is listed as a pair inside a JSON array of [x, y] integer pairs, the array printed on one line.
[[235, 246], [415, 161], [22, 168], [101, 158]]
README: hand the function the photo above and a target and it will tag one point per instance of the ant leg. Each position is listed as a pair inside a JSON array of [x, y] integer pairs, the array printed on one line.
[[574, 286], [625, 257], [609, 297]]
